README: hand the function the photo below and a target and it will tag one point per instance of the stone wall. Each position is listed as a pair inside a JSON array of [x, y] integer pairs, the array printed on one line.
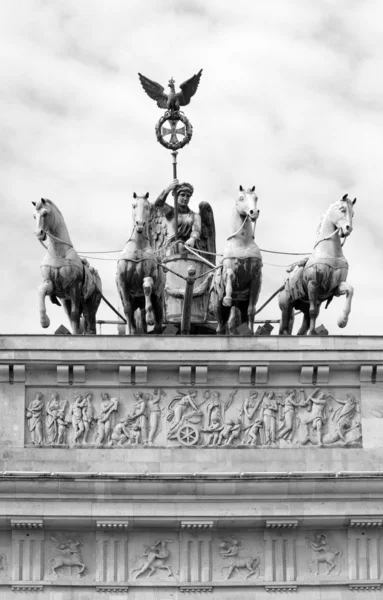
[[167, 466]]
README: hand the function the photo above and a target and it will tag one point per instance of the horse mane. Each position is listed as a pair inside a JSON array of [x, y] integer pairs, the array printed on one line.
[[335, 204]]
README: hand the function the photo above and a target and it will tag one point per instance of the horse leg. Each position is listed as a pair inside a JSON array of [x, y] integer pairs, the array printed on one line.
[[304, 307], [158, 313], [227, 300], [312, 290], [230, 571], [287, 317], [346, 289], [45, 289], [75, 297], [148, 291], [254, 289], [232, 321]]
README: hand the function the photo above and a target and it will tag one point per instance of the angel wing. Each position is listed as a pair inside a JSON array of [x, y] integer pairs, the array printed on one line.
[[189, 88], [157, 228], [155, 91], [207, 238]]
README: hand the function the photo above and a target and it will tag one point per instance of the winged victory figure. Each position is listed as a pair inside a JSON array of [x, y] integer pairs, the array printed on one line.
[[173, 100]]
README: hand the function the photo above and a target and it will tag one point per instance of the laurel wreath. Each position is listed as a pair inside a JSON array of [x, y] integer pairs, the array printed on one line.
[[176, 116]]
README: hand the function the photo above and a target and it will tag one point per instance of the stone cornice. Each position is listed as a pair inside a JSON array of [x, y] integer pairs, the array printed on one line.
[[27, 523], [364, 522]]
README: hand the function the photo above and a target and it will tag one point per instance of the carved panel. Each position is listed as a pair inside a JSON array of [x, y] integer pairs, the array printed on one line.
[[197, 417]]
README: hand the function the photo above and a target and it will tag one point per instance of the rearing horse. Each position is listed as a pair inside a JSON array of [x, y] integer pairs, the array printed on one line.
[[236, 286], [65, 274], [140, 279], [322, 275]]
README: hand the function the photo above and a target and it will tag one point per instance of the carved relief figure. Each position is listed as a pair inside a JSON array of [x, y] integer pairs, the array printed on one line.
[[62, 427], [52, 410], [82, 412], [251, 427], [342, 421], [230, 432], [139, 417], [104, 426], [3, 564], [70, 556], [154, 409], [324, 554], [269, 414], [231, 548], [317, 405], [290, 404], [156, 556], [121, 433], [35, 419]]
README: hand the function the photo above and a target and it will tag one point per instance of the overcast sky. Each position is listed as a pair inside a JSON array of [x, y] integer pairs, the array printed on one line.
[[290, 100]]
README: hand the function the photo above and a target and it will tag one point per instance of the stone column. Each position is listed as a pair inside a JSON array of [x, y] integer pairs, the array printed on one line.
[[27, 549], [196, 551], [112, 551], [363, 549], [279, 537]]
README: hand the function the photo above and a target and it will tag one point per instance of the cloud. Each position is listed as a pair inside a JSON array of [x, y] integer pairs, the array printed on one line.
[[289, 101]]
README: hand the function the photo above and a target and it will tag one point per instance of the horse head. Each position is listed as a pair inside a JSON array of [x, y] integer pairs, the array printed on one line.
[[43, 216], [141, 208], [247, 203], [341, 214]]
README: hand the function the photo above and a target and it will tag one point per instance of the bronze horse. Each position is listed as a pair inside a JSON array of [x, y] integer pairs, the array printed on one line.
[[322, 275], [140, 279], [237, 284], [65, 274]]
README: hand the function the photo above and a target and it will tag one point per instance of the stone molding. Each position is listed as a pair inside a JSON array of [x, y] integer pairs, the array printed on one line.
[[111, 589], [196, 589], [27, 523], [366, 522], [281, 524], [196, 524], [26, 588], [281, 588], [364, 587], [112, 524]]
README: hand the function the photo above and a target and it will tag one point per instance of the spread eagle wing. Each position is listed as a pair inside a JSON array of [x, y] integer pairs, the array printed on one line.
[[155, 91], [157, 229], [207, 238], [188, 89]]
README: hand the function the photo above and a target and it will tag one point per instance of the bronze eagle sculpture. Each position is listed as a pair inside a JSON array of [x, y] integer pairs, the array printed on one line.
[[173, 100]]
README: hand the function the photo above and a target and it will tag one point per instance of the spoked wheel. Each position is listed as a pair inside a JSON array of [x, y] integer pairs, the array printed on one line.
[[188, 435]]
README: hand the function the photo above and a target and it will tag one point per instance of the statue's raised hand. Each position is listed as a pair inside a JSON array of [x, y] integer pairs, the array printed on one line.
[[190, 242], [172, 186]]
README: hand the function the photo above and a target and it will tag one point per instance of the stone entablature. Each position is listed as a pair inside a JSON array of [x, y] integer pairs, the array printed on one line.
[[272, 505]]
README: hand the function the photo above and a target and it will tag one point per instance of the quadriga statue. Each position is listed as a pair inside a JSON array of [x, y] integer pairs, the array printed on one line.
[[141, 268], [65, 275], [322, 275], [237, 284]]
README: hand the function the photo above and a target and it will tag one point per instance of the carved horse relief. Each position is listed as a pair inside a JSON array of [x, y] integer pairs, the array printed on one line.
[[140, 279], [65, 274], [322, 275], [236, 286]]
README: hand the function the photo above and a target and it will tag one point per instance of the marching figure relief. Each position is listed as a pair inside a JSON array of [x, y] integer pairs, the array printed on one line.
[[269, 418]]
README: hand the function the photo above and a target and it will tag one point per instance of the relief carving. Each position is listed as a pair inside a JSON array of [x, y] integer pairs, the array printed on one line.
[[70, 556], [322, 554], [230, 549], [272, 418], [35, 419], [155, 557]]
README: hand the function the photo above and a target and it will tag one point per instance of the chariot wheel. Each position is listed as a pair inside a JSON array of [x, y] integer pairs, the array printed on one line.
[[188, 435]]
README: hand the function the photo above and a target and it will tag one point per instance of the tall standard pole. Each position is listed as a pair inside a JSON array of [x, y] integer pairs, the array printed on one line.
[[174, 155]]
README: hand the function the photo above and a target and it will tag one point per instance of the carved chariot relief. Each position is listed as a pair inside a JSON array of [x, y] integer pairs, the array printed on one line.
[[255, 418]]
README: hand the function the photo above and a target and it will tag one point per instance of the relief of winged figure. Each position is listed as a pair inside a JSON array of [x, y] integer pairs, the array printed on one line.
[[173, 100]]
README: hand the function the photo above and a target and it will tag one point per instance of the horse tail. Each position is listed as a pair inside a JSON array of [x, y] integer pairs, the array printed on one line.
[[338, 553]]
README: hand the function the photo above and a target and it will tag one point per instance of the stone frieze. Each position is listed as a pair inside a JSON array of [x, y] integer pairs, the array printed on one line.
[[195, 418]]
